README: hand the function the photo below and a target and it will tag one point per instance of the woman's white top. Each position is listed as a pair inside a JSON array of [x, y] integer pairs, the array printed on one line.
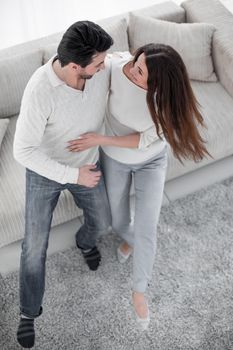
[[127, 113]]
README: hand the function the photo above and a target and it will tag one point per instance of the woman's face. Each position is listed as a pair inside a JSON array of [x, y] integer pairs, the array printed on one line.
[[139, 72]]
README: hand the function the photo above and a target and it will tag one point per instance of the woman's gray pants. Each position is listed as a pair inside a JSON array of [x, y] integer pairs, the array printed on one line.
[[140, 233]]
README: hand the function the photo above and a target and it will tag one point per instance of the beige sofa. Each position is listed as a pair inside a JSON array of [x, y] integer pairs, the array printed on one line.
[[216, 99]]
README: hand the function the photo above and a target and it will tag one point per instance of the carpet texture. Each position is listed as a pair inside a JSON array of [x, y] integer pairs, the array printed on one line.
[[190, 297]]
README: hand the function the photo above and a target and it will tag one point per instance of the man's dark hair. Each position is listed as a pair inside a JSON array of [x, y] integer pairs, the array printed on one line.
[[81, 41]]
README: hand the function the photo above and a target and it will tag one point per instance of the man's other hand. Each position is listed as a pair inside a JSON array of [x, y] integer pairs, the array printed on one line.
[[88, 177]]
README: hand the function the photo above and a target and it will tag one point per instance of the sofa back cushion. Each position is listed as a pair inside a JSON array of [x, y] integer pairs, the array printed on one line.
[[213, 11], [3, 126], [14, 75], [117, 28], [167, 11], [192, 41]]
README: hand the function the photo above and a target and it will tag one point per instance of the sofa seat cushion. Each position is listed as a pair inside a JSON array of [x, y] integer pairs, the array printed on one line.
[[12, 189], [216, 108], [191, 40]]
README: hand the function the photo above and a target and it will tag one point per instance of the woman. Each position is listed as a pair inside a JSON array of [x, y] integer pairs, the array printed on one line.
[[150, 103]]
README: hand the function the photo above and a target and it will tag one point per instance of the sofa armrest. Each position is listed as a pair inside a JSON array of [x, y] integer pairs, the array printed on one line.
[[212, 11], [167, 11]]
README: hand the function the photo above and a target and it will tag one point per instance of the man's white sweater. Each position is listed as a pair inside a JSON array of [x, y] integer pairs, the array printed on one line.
[[52, 114]]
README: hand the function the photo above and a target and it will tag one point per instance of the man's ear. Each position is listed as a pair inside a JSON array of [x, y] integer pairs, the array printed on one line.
[[74, 67]]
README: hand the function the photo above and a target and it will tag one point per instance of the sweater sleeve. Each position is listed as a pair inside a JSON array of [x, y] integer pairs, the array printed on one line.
[[148, 137], [30, 128]]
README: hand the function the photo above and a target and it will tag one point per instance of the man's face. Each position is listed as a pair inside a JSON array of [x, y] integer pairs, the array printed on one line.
[[95, 66]]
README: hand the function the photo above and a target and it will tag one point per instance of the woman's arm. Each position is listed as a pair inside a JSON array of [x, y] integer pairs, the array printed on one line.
[[89, 140]]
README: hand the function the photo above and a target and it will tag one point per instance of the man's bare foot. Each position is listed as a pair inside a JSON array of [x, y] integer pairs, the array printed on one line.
[[140, 305]]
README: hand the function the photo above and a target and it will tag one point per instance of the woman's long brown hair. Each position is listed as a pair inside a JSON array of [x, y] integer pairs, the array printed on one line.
[[171, 101]]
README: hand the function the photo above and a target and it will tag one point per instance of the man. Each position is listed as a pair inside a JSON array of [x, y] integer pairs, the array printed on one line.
[[63, 99]]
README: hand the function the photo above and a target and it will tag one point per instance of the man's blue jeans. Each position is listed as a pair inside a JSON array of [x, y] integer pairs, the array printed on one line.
[[41, 198]]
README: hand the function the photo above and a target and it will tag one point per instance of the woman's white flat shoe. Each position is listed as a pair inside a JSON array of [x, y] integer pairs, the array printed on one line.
[[122, 257], [142, 323]]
